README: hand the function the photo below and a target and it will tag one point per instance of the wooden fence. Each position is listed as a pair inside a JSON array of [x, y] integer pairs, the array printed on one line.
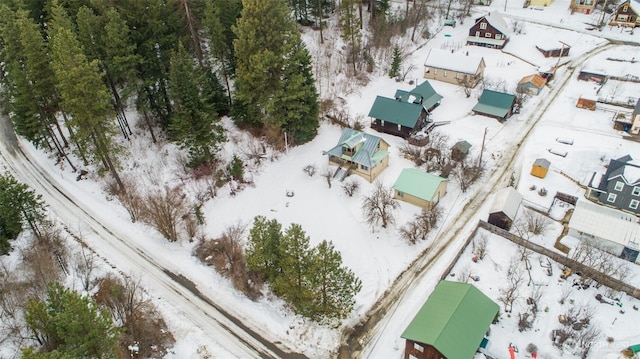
[[575, 266]]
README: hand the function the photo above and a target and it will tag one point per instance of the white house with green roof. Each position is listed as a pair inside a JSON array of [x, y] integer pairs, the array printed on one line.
[[406, 113], [498, 105], [359, 153], [451, 324], [419, 188]]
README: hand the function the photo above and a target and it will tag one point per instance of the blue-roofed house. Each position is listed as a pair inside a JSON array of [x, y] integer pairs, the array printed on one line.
[[405, 114], [359, 153], [419, 188], [495, 104]]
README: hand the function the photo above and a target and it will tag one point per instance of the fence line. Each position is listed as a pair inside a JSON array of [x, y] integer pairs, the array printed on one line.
[[455, 259], [589, 272]]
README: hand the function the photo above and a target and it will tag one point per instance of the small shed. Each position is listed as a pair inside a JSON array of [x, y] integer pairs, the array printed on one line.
[[531, 84], [460, 150], [451, 324], [505, 207], [586, 103], [419, 188], [540, 167], [592, 75]]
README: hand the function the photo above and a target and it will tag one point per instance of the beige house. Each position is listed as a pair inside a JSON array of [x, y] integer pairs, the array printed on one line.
[[458, 68], [359, 153], [419, 188]]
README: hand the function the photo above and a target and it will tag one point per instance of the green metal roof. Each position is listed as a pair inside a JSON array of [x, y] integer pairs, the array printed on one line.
[[429, 95], [395, 111], [418, 183], [453, 320], [424, 93], [462, 146], [494, 103]]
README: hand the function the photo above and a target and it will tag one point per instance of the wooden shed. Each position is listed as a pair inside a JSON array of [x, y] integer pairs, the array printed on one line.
[[540, 167], [460, 150], [586, 103], [505, 207]]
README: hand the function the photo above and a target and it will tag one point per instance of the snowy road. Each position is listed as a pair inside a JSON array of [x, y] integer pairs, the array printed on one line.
[[234, 338], [388, 317]]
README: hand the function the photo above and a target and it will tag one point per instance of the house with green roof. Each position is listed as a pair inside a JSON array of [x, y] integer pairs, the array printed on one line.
[[451, 324], [419, 188], [498, 105], [359, 153], [405, 114]]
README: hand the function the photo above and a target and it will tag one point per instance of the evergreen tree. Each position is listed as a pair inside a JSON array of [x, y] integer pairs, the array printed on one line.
[[263, 248], [293, 283], [71, 325], [18, 204], [274, 82], [394, 71], [83, 96], [351, 28], [334, 286], [194, 123]]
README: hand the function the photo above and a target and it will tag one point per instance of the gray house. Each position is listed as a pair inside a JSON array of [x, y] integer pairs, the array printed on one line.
[[619, 186]]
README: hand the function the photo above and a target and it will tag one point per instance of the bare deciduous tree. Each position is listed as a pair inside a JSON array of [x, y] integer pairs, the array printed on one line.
[[310, 170], [479, 246], [467, 172], [328, 175], [421, 225], [134, 311], [351, 187], [84, 265], [378, 207], [509, 293], [413, 153], [165, 210], [226, 255]]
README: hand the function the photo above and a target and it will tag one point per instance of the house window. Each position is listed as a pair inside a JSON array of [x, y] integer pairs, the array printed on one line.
[[488, 34], [444, 73], [636, 191], [622, 17], [427, 70], [400, 194], [418, 347], [477, 33], [435, 71], [625, 8], [483, 25], [382, 123], [365, 168], [399, 127], [612, 197], [634, 204], [498, 37], [619, 186], [458, 75]]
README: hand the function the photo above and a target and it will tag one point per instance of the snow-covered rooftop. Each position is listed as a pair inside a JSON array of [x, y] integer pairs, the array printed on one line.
[[453, 61], [607, 223], [496, 20]]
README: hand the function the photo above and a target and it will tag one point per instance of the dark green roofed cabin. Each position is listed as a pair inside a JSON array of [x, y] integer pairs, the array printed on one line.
[[406, 113], [451, 324], [495, 104]]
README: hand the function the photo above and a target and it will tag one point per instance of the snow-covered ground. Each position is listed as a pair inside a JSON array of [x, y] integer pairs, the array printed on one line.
[[378, 256]]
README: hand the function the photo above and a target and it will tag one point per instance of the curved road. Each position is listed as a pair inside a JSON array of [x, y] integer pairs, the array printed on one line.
[[235, 337], [361, 339]]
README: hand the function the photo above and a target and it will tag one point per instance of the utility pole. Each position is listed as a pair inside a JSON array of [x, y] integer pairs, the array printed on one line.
[[482, 148]]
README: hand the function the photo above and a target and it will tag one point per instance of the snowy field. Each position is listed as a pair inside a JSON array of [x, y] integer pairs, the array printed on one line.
[[378, 256]]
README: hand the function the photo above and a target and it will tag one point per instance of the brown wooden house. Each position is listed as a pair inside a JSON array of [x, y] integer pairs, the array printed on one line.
[[489, 31], [553, 48], [452, 323], [627, 14]]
